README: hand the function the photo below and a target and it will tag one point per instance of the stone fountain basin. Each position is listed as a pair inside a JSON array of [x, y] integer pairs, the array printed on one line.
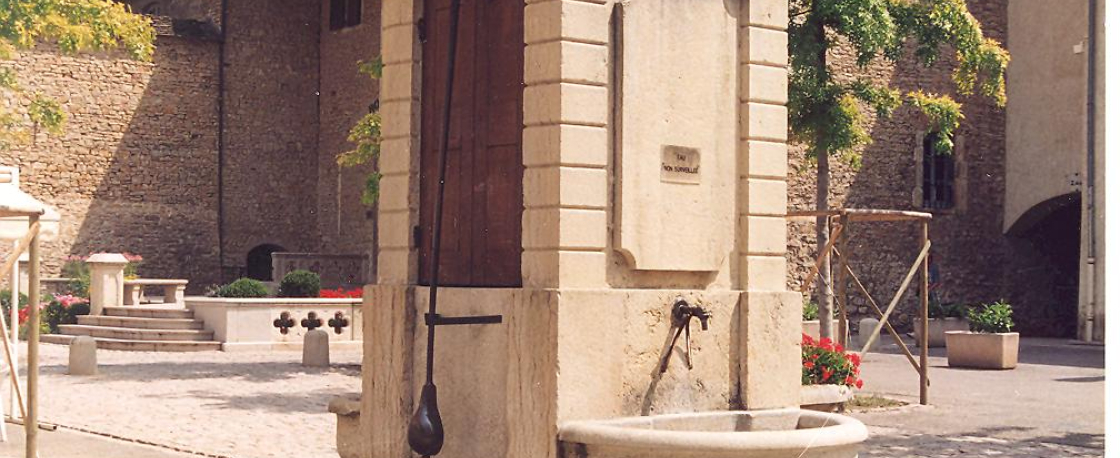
[[784, 433]]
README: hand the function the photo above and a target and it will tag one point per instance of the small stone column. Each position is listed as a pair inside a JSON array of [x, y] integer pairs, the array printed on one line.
[[106, 281], [866, 328], [316, 348], [83, 356]]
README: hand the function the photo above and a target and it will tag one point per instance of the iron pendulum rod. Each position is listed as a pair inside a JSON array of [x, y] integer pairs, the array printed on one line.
[[441, 164]]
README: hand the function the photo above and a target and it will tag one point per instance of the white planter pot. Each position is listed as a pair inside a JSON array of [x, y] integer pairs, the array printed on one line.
[[825, 398], [982, 350], [937, 329]]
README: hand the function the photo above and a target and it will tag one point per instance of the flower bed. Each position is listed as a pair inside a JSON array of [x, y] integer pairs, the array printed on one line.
[[828, 374]]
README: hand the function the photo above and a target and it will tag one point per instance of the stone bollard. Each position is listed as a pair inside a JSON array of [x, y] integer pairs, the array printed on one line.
[[316, 348], [83, 356], [106, 281], [866, 327]]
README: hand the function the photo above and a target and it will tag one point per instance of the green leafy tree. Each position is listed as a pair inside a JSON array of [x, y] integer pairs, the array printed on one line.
[[826, 112], [74, 26], [366, 137]]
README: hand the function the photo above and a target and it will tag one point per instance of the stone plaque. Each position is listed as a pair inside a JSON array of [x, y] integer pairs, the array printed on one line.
[[680, 164]]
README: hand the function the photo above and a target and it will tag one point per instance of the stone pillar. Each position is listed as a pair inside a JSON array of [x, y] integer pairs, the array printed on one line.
[[770, 368], [83, 356], [317, 348], [566, 144], [106, 281], [399, 203]]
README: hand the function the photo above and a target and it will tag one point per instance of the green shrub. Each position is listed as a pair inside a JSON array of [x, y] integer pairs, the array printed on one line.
[[242, 287], [937, 310], [809, 311], [300, 283], [63, 309], [77, 270], [6, 303], [991, 318]]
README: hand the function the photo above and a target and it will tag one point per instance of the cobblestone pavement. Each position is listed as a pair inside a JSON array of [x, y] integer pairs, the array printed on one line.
[[238, 405], [1052, 405], [893, 442]]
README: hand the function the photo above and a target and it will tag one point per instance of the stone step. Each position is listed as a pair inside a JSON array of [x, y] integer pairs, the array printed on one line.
[[135, 334], [139, 323], [139, 345], [149, 312]]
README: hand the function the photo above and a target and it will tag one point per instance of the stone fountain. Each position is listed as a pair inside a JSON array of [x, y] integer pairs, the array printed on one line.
[[654, 153]]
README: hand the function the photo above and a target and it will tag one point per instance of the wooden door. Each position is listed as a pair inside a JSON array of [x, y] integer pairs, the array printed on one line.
[[481, 239]]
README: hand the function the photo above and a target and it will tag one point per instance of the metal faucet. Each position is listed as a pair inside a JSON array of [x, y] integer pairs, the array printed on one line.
[[683, 313]]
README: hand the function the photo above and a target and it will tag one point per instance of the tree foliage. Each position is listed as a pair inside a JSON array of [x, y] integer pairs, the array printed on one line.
[[74, 26], [825, 114], [366, 137]]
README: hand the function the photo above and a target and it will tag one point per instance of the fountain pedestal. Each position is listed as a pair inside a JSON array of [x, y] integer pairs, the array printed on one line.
[[654, 169]]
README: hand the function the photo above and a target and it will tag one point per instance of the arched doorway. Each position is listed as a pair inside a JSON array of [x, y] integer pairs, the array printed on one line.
[[258, 264], [1045, 244]]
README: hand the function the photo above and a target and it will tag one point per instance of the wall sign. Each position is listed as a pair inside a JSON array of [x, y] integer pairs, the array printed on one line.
[[680, 164]]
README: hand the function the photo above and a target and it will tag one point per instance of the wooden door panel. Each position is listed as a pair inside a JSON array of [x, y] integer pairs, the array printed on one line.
[[481, 239]]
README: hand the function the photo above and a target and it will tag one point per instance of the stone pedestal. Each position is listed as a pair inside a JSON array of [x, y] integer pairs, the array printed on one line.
[[83, 356], [106, 281], [316, 349]]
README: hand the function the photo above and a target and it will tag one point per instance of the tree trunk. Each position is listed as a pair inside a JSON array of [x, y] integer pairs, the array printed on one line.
[[824, 281]]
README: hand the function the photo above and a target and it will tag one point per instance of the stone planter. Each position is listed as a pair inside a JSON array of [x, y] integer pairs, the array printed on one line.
[[982, 350], [937, 329], [825, 398], [813, 328]]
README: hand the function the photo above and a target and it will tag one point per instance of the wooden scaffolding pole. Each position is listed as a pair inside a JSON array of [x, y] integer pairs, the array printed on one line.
[[820, 258], [31, 424], [898, 295], [842, 283], [923, 287]]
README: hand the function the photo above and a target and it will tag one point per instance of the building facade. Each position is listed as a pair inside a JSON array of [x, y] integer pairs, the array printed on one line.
[[220, 149], [1010, 205]]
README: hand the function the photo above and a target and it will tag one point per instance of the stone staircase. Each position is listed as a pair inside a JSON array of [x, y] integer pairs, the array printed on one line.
[[140, 329]]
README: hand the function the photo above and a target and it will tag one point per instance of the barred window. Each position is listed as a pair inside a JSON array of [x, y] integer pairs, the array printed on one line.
[[938, 175], [345, 13]]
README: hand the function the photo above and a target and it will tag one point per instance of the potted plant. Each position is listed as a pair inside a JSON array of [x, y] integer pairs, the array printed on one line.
[[828, 374], [942, 318], [989, 343], [810, 321]]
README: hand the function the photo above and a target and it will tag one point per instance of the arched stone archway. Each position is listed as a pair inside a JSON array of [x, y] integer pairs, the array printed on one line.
[[258, 263], [1045, 244]]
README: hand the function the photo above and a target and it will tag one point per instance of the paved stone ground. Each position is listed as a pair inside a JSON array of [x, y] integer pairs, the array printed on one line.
[[64, 443], [1051, 405], [249, 405], [240, 405]]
